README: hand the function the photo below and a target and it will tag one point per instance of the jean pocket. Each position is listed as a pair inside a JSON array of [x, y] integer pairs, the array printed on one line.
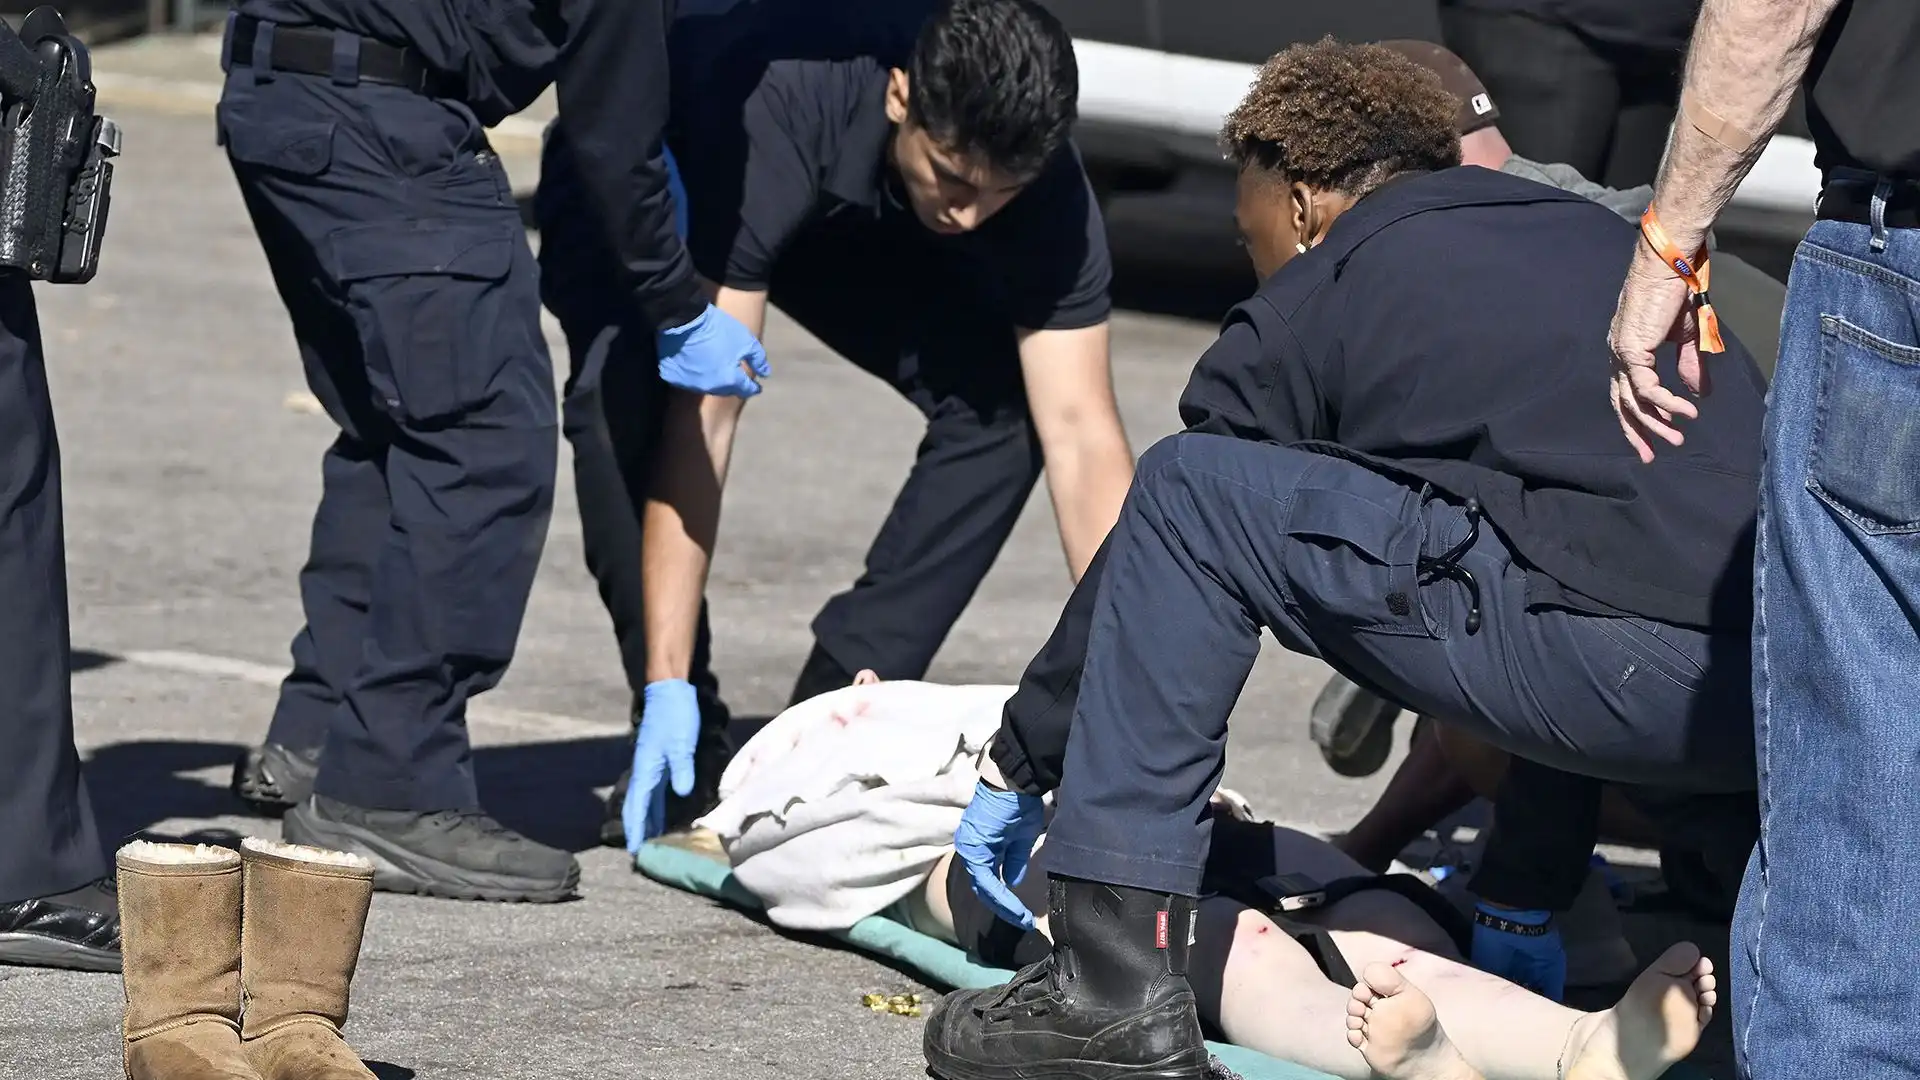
[[1864, 460], [426, 298]]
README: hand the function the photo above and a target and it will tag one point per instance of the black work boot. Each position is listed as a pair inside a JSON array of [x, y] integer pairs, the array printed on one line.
[[1111, 1001], [272, 779], [457, 854]]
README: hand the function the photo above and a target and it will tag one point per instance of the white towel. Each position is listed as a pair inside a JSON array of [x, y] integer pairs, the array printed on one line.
[[842, 804]]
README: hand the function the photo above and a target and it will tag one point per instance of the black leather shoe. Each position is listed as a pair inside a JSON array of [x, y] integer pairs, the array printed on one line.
[[273, 779], [1110, 1002], [78, 930]]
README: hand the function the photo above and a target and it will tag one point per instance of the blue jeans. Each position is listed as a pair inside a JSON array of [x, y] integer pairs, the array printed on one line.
[[1831, 901]]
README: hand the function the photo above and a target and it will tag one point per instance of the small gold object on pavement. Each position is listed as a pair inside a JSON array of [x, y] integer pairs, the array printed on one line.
[[897, 1004]]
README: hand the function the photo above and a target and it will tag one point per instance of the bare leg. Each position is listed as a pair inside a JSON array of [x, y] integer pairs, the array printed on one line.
[[1659, 1021], [1264, 991]]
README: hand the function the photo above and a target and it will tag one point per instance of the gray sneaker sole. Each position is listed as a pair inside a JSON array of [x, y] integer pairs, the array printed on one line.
[[397, 870], [37, 950]]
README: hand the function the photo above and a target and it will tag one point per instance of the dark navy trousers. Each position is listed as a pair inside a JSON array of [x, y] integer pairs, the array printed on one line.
[[51, 842], [1221, 538], [396, 244], [883, 295]]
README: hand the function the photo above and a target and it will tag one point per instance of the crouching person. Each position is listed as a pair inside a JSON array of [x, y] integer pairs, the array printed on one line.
[[1393, 464]]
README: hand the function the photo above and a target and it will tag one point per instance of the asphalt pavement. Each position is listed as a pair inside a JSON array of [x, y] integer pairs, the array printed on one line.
[[190, 460]]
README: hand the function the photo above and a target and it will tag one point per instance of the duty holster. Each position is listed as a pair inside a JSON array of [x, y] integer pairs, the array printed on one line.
[[56, 155]]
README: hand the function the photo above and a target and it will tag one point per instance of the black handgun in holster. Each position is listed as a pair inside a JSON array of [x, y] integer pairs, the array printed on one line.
[[56, 155]]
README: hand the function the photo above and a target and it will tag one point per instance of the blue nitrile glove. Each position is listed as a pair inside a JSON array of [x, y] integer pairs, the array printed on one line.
[[995, 840], [705, 355], [669, 730], [1537, 961]]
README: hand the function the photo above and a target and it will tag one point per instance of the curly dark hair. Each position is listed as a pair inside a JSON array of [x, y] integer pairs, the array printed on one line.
[[1343, 117], [995, 79]]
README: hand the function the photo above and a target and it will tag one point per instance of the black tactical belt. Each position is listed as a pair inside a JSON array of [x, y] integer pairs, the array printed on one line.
[[1853, 201], [309, 50]]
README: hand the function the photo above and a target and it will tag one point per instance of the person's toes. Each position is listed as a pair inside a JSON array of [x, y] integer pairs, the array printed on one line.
[[1383, 979], [1683, 960], [1399, 1033], [1657, 1023]]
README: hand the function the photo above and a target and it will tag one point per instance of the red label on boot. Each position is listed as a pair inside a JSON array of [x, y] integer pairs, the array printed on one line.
[[1159, 929]]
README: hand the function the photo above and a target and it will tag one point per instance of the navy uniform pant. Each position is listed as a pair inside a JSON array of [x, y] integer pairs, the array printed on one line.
[[881, 294], [51, 842], [1221, 538], [396, 244]]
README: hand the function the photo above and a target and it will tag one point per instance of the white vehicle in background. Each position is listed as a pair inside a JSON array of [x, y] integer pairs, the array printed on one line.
[[1158, 76]]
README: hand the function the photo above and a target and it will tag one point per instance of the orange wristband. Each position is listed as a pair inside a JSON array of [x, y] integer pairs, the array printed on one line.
[[1696, 279]]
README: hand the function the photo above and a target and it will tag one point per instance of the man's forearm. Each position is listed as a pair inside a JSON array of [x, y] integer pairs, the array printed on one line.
[[1069, 381], [681, 523], [682, 517], [1746, 59], [1088, 482]]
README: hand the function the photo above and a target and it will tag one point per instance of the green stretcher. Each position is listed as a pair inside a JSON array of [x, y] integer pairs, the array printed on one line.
[[937, 962]]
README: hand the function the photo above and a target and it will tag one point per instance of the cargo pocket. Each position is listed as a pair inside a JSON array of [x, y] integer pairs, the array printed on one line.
[[1865, 445], [426, 297], [295, 147], [1357, 547]]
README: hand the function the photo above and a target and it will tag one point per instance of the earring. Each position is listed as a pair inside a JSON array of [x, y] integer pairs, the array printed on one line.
[[1301, 248]]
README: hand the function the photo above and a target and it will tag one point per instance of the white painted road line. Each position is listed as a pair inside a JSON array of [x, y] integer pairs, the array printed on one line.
[[226, 667]]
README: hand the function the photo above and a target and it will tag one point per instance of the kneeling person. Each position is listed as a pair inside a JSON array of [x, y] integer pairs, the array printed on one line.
[[1391, 464]]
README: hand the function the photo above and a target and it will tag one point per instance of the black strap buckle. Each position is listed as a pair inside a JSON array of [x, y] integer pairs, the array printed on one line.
[[1447, 565]]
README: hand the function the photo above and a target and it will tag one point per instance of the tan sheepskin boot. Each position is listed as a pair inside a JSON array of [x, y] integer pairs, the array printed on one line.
[[305, 911], [180, 961]]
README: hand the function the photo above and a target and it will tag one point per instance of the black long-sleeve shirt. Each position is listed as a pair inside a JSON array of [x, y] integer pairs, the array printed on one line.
[[1452, 329], [606, 59]]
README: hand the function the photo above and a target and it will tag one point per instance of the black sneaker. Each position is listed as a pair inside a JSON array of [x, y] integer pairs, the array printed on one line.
[[456, 854], [77, 930], [1110, 1002], [273, 779]]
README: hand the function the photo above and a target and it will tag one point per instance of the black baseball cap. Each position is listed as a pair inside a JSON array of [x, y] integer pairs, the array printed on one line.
[[1476, 106]]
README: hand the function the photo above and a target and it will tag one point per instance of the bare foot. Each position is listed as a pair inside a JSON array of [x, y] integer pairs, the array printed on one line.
[[1656, 1024], [866, 677], [1393, 1026]]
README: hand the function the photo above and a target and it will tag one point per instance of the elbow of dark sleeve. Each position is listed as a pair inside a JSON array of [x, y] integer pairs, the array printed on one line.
[[674, 300]]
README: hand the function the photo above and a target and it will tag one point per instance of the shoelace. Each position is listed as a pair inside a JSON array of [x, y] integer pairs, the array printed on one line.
[[479, 819], [1016, 995]]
